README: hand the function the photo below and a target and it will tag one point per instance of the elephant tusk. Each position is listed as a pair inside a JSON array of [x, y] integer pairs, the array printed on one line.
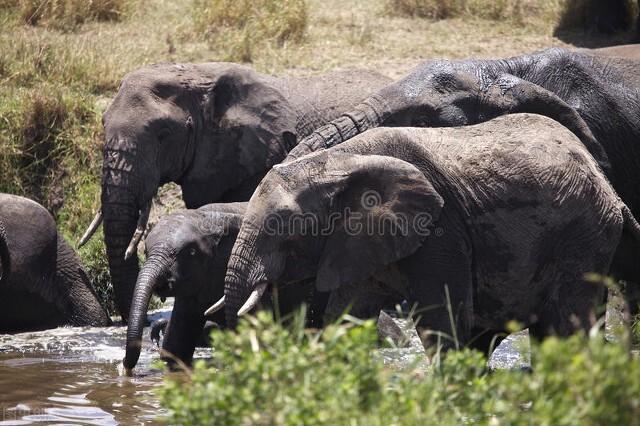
[[215, 307], [253, 299], [140, 229], [95, 224]]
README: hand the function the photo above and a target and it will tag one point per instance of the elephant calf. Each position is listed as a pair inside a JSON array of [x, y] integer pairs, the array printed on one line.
[[186, 258], [47, 286], [490, 223]]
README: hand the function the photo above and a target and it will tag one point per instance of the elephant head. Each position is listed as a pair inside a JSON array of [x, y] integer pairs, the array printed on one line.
[[186, 257], [338, 218], [444, 94], [201, 126], [5, 258]]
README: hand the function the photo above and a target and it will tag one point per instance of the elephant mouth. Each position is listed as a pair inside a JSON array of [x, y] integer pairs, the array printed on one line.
[[166, 288]]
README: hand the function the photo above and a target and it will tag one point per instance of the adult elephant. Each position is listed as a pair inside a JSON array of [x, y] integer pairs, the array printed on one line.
[[573, 88], [5, 259], [476, 225], [213, 128], [48, 286], [186, 258]]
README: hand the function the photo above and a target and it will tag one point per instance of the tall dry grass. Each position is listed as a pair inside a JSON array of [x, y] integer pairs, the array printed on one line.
[[240, 27], [566, 14], [69, 14]]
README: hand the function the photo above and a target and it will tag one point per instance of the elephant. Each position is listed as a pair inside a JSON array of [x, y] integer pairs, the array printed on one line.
[[5, 259], [597, 98], [48, 286], [613, 16], [476, 225], [186, 258], [214, 129]]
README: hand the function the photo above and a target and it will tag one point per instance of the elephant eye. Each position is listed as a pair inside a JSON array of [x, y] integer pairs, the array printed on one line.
[[192, 252]]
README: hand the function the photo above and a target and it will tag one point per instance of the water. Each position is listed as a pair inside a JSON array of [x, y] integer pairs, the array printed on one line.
[[73, 376]]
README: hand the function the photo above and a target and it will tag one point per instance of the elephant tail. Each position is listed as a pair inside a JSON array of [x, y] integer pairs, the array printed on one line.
[[631, 225], [5, 258]]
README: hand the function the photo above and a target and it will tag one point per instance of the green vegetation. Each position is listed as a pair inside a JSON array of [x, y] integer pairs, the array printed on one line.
[[62, 60], [268, 374]]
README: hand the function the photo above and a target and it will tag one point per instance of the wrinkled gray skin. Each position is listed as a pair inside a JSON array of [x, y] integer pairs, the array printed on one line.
[[213, 128], [597, 98], [5, 259], [519, 212], [619, 57], [48, 286], [186, 258]]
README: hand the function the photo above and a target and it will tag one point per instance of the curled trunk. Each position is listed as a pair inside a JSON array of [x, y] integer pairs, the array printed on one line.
[[370, 113], [5, 258], [148, 279]]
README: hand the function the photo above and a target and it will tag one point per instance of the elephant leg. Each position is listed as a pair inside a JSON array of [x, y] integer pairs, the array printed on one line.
[[183, 332], [360, 300], [440, 286]]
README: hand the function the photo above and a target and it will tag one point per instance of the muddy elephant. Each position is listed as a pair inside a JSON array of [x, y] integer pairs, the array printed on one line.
[[490, 223], [597, 98], [48, 286], [213, 128], [5, 259], [186, 258]]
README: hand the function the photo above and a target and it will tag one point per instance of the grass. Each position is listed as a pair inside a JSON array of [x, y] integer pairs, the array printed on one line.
[[269, 374], [238, 28], [549, 14], [59, 72]]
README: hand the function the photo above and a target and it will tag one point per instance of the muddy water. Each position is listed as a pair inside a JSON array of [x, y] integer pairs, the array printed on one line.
[[73, 375]]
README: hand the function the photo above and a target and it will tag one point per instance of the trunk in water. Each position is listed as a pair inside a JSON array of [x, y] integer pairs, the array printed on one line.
[[5, 259], [371, 113], [147, 281]]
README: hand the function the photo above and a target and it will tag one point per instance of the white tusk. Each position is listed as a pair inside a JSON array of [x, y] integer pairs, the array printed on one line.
[[140, 229], [95, 224], [215, 307], [253, 299]]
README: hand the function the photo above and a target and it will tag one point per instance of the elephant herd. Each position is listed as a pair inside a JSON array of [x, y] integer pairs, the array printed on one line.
[[478, 191]]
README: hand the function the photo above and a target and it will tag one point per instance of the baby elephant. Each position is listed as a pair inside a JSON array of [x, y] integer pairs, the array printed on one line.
[[476, 225], [186, 258], [47, 286]]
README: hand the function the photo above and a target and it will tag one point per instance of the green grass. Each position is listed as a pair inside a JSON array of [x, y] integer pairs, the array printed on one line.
[[267, 374]]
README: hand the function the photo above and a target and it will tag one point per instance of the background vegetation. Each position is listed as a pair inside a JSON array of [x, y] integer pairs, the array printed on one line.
[[291, 376], [61, 62]]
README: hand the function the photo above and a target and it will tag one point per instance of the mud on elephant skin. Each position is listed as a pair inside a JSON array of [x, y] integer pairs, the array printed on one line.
[[212, 128], [500, 221], [585, 93], [48, 286], [186, 258]]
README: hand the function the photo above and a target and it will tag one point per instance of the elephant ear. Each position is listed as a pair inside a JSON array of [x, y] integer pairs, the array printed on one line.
[[253, 111], [384, 208]]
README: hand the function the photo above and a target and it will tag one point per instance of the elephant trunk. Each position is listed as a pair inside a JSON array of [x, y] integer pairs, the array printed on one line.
[[152, 272], [370, 113], [124, 195], [243, 273], [5, 258]]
